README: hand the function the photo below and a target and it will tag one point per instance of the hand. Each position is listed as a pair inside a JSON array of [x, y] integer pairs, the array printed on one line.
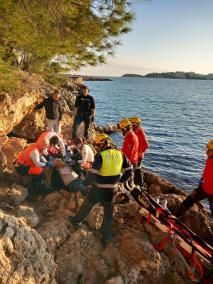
[[50, 164]]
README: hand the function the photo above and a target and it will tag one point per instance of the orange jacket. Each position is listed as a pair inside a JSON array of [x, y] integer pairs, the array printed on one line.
[[42, 136], [142, 140], [207, 179], [130, 147], [24, 156]]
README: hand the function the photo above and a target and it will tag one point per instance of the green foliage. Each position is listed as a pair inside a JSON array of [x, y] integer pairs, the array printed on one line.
[[85, 31], [8, 78]]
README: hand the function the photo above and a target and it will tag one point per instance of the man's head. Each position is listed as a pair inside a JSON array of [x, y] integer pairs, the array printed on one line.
[[54, 141], [56, 95], [79, 142], [102, 141], [209, 151], [125, 125], [136, 121], [85, 90]]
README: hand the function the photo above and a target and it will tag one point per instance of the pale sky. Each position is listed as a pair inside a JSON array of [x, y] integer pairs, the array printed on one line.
[[167, 35]]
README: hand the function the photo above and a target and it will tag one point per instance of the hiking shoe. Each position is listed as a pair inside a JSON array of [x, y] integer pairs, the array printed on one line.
[[75, 224]]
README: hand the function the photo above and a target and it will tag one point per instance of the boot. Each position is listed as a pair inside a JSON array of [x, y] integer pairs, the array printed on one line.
[[184, 206]]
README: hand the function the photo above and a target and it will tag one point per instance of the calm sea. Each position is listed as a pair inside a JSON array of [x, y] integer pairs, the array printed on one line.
[[177, 118]]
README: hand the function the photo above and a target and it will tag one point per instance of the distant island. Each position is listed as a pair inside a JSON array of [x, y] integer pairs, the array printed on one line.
[[95, 78], [174, 75]]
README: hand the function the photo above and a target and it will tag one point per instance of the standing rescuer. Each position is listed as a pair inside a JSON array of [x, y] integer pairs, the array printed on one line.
[[103, 178], [205, 188], [53, 111], [143, 145], [130, 143], [84, 111]]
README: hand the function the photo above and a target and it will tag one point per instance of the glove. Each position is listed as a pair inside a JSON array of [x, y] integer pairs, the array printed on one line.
[[50, 164]]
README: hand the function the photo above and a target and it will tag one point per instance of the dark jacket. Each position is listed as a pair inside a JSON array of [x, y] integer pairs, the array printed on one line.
[[53, 108]]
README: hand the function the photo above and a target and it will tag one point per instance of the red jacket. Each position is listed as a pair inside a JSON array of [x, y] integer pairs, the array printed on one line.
[[130, 147], [142, 140], [207, 180]]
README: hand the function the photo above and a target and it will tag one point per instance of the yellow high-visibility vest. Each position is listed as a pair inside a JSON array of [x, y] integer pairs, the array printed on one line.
[[112, 161]]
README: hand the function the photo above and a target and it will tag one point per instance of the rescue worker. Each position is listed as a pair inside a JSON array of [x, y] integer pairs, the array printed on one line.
[[84, 111], [130, 143], [31, 162], [103, 179], [56, 143], [143, 145], [53, 110], [85, 159], [205, 187]]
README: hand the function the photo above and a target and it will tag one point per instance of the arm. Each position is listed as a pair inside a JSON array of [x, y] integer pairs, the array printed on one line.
[[94, 170], [84, 154], [35, 156], [127, 169], [145, 143], [92, 107], [62, 146], [41, 105], [75, 111], [77, 101]]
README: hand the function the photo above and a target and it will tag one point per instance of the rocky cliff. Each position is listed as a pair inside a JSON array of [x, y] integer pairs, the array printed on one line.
[[39, 245]]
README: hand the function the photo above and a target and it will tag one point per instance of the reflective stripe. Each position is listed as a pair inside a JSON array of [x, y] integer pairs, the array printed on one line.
[[112, 161], [126, 169], [105, 185]]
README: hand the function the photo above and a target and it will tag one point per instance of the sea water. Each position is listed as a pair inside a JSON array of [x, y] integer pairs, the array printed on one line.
[[177, 116]]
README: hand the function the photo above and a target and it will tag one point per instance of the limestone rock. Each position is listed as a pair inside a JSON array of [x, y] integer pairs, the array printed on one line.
[[23, 255], [95, 217], [14, 107], [152, 179], [11, 150], [115, 280], [12, 195], [31, 126], [28, 214]]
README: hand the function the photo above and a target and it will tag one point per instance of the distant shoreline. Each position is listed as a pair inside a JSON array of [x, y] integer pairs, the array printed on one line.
[[173, 75]]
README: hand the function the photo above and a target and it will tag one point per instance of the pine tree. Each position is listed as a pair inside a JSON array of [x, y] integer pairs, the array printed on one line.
[[84, 31]]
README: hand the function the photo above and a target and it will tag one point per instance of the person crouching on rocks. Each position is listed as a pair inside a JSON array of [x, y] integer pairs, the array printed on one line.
[[56, 144], [64, 177], [31, 162], [102, 179], [86, 157], [205, 188]]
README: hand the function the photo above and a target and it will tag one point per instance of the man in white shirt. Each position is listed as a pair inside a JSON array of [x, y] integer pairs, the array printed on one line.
[[87, 156]]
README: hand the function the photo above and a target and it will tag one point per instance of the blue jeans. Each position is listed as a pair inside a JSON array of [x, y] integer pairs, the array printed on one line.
[[77, 121], [104, 196], [77, 185]]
